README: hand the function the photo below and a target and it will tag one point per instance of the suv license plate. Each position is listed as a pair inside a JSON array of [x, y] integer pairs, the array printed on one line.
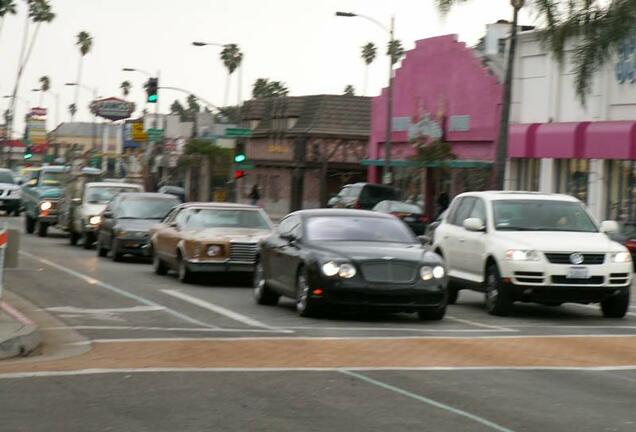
[[578, 273]]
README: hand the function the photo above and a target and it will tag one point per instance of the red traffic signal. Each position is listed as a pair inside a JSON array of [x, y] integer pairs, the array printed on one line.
[[238, 174]]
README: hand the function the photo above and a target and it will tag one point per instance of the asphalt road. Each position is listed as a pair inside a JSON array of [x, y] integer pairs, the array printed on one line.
[[128, 350]]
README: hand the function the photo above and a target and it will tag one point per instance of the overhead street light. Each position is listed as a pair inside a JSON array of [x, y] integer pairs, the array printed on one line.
[[141, 71]]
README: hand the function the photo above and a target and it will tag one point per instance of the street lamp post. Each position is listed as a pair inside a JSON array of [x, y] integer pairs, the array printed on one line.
[[94, 93], [388, 175], [240, 68]]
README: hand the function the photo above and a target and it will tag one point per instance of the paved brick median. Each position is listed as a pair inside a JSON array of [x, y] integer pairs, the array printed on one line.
[[297, 353]]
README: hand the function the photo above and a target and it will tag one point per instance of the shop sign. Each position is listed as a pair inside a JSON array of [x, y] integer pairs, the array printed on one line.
[[277, 148], [459, 123], [38, 112], [426, 127], [112, 108]]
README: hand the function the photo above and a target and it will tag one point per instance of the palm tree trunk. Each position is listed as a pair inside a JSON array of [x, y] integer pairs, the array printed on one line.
[[227, 90], [366, 80], [78, 82], [25, 37], [504, 123], [1, 26]]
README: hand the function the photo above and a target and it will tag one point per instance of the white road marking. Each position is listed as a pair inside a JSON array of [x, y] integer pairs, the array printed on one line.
[[114, 289], [73, 309], [427, 401], [168, 329], [221, 310], [395, 329], [478, 324], [99, 371]]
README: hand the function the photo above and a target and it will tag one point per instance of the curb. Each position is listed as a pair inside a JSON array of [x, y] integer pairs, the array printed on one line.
[[22, 342]]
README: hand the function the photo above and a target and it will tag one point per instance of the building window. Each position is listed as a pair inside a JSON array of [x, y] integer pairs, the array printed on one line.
[[621, 190], [528, 172], [572, 177]]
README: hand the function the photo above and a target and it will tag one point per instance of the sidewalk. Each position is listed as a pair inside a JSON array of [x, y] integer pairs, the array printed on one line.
[[18, 334]]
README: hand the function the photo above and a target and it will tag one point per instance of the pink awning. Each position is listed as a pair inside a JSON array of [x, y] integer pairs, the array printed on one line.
[[611, 140], [521, 140], [561, 140]]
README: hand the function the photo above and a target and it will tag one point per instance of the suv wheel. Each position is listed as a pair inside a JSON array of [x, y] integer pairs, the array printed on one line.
[[29, 224], [453, 293], [616, 306], [497, 298], [73, 238], [43, 229]]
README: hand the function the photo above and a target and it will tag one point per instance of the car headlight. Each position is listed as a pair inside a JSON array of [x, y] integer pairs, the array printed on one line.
[[522, 255], [46, 205], [15, 193], [94, 220], [347, 271], [330, 268], [622, 257], [427, 273], [214, 251]]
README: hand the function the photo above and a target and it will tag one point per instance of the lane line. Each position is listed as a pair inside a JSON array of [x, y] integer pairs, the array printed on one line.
[[16, 314], [478, 324], [97, 283], [100, 371], [395, 329], [427, 401], [168, 329], [244, 319]]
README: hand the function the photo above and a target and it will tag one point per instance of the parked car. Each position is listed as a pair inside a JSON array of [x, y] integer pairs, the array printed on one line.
[[84, 214], [429, 235], [626, 235], [533, 247], [177, 191], [208, 237], [349, 258], [40, 196], [10, 198], [410, 214], [126, 222], [363, 196]]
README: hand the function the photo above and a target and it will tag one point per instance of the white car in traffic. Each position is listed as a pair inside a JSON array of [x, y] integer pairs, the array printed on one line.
[[533, 247]]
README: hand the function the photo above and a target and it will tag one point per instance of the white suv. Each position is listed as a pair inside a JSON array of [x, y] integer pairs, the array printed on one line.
[[533, 247]]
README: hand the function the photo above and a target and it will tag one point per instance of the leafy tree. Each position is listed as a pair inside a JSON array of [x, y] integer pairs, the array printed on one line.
[[85, 44], [7, 7], [349, 90], [193, 105], [264, 88], [125, 88], [395, 50], [369, 53], [45, 86], [177, 108], [231, 56], [72, 109]]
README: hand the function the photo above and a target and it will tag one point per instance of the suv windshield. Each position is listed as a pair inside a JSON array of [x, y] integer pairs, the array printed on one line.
[[6, 177], [225, 218], [51, 178], [541, 215], [404, 207], [103, 194], [146, 208], [339, 228]]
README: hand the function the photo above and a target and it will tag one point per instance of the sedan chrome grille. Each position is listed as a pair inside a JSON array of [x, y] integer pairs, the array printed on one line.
[[389, 271], [244, 252]]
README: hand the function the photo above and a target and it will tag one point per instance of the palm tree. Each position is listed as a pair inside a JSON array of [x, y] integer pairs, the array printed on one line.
[[395, 50], [45, 86], [85, 43], [264, 88], [349, 90], [125, 88], [369, 52], [7, 7], [39, 12], [231, 56], [72, 108]]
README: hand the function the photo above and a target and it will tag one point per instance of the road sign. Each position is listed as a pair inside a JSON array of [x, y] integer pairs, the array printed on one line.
[[238, 132], [155, 135], [138, 133], [244, 167]]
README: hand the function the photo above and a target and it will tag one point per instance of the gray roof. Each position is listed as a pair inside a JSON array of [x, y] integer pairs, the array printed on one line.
[[84, 129], [339, 115]]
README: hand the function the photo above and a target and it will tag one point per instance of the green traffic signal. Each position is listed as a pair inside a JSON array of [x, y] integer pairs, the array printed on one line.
[[152, 98], [240, 158], [28, 155]]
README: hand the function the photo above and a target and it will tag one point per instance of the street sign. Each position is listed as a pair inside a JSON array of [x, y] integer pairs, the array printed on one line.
[[112, 108], [238, 132], [138, 133], [155, 135], [244, 167]]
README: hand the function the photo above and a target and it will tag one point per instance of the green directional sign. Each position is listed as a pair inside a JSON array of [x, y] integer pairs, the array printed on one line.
[[238, 132], [241, 166], [155, 134]]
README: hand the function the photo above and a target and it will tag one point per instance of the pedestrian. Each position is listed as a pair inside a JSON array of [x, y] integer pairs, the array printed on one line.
[[255, 195], [443, 200]]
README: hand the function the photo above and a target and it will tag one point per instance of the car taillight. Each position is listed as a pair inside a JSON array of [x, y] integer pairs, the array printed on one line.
[[631, 245], [397, 214], [356, 204]]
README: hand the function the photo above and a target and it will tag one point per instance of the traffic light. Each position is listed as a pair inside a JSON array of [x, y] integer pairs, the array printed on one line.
[[239, 157], [28, 152], [152, 87], [239, 152], [239, 174]]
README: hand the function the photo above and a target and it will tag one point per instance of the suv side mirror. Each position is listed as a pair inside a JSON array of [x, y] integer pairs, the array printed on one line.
[[289, 237], [107, 215], [609, 227], [474, 224]]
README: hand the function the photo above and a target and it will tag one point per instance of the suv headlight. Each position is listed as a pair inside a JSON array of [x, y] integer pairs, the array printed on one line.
[[94, 220], [427, 273], [522, 255], [45, 205], [622, 257], [345, 271]]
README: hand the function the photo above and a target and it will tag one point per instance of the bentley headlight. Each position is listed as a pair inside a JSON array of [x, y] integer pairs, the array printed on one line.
[[45, 205], [622, 257], [94, 220], [426, 273], [330, 268], [347, 271], [439, 272]]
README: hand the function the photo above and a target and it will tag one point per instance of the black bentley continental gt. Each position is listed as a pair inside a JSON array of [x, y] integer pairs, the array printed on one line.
[[352, 259]]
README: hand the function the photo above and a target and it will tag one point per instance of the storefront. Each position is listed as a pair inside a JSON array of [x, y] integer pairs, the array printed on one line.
[[558, 144], [442, 93]]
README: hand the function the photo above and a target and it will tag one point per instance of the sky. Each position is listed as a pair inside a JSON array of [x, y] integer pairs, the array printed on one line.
[[299, 42]]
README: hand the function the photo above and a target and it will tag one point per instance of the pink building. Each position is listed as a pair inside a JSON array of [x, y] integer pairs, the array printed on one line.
[[442, 89]]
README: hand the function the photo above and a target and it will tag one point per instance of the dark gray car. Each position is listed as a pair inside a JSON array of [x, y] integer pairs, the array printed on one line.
[[127, 220]]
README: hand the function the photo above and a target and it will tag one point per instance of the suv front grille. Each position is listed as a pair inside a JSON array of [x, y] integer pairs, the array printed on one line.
[[564, 258], [244, 252]]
